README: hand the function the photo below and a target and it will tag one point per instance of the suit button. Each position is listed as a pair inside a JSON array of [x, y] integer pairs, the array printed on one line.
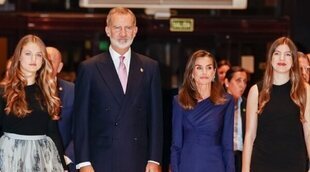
[[116, 124]]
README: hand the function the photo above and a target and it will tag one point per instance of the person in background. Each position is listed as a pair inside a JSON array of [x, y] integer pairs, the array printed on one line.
[[66, 95], [223, 67], [235, 83], [118, 105], [304, 63], [6, 74], [277, 115], [202, 122], [29, 111]]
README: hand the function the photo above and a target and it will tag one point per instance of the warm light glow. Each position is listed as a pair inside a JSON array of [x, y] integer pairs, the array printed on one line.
[[166, 4]]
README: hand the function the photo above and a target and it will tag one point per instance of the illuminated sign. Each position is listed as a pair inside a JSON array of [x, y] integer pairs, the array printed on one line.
[[181, 25]]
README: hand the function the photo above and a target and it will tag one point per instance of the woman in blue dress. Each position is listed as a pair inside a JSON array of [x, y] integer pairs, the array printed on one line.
[[202, 124]]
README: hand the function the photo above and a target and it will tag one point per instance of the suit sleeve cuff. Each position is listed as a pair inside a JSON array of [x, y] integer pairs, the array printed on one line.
[[151, 161], [82, 164]]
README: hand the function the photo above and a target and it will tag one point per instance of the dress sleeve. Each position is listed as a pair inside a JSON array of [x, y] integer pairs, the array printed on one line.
[[177, 135], [227, 136], [53, 133]]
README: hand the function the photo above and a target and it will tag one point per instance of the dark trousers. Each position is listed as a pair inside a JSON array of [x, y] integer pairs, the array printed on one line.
[[72, 168], [238, 161]]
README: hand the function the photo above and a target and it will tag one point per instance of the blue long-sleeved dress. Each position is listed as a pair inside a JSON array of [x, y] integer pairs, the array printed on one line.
[[202, 138]]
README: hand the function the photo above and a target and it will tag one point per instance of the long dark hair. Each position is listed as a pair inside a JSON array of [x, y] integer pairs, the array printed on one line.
[[298, 90], [188, 95]]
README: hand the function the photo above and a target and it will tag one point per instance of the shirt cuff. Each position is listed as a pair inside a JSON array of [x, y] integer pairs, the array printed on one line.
[[82, 164], [151, 161], [67, 160]]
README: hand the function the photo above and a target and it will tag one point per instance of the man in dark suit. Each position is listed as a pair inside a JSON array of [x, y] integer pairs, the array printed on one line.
[[118, 120], [66, 95], [236, 79]]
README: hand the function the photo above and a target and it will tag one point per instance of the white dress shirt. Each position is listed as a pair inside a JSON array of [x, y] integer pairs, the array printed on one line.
[[238, 140]]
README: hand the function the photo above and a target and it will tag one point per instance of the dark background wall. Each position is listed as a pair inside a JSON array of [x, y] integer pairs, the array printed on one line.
[[301, 24], [228, 34]]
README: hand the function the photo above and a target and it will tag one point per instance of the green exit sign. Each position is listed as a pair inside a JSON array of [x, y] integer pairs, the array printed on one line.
[[181, 25]]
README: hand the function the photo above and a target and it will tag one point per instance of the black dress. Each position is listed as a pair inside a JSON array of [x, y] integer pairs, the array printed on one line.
[[29, 130], [279, 145]]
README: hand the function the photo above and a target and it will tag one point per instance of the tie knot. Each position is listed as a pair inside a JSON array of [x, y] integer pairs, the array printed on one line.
[[121, 58]]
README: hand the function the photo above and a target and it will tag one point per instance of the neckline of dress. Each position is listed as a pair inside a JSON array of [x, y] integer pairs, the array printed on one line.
[[287, 83], [203, 100]]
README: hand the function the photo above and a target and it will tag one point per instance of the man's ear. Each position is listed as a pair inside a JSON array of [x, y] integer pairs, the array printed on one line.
[[60, 67], [135, 30], [107, 31]]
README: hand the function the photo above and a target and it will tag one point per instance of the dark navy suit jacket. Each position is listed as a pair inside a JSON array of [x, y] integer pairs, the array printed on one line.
[[243, 115], [66, 95], [114, 131]]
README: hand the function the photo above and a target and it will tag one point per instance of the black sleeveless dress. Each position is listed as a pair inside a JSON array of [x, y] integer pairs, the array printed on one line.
[[279, 145]]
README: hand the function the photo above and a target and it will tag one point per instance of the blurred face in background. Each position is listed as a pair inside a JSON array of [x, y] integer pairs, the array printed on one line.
[[56, 60], [221, 71], [304, 67], [237, 84]]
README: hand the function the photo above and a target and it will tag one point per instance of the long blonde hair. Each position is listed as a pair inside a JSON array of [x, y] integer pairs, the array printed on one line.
[[188, 95], [298, 91], [14, 89]]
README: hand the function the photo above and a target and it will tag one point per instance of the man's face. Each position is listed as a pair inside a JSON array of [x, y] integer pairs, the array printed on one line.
[[55, 58], [121, 32]]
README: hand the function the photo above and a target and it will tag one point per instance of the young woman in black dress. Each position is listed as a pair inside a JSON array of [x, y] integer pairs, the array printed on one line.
[[277, 115], [29, 110]]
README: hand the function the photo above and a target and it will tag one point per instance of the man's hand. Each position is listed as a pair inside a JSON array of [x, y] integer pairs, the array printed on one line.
[[87, 168], [152, 167]]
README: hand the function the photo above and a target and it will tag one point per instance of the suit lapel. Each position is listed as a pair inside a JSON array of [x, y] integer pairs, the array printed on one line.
[[243, 109], [60, 88], [109, 75], [136, 71], [243, 115]]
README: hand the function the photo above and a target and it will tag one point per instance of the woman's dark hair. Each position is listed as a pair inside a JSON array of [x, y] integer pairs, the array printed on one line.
[[223, 63], [230, 73], [189, 95]]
